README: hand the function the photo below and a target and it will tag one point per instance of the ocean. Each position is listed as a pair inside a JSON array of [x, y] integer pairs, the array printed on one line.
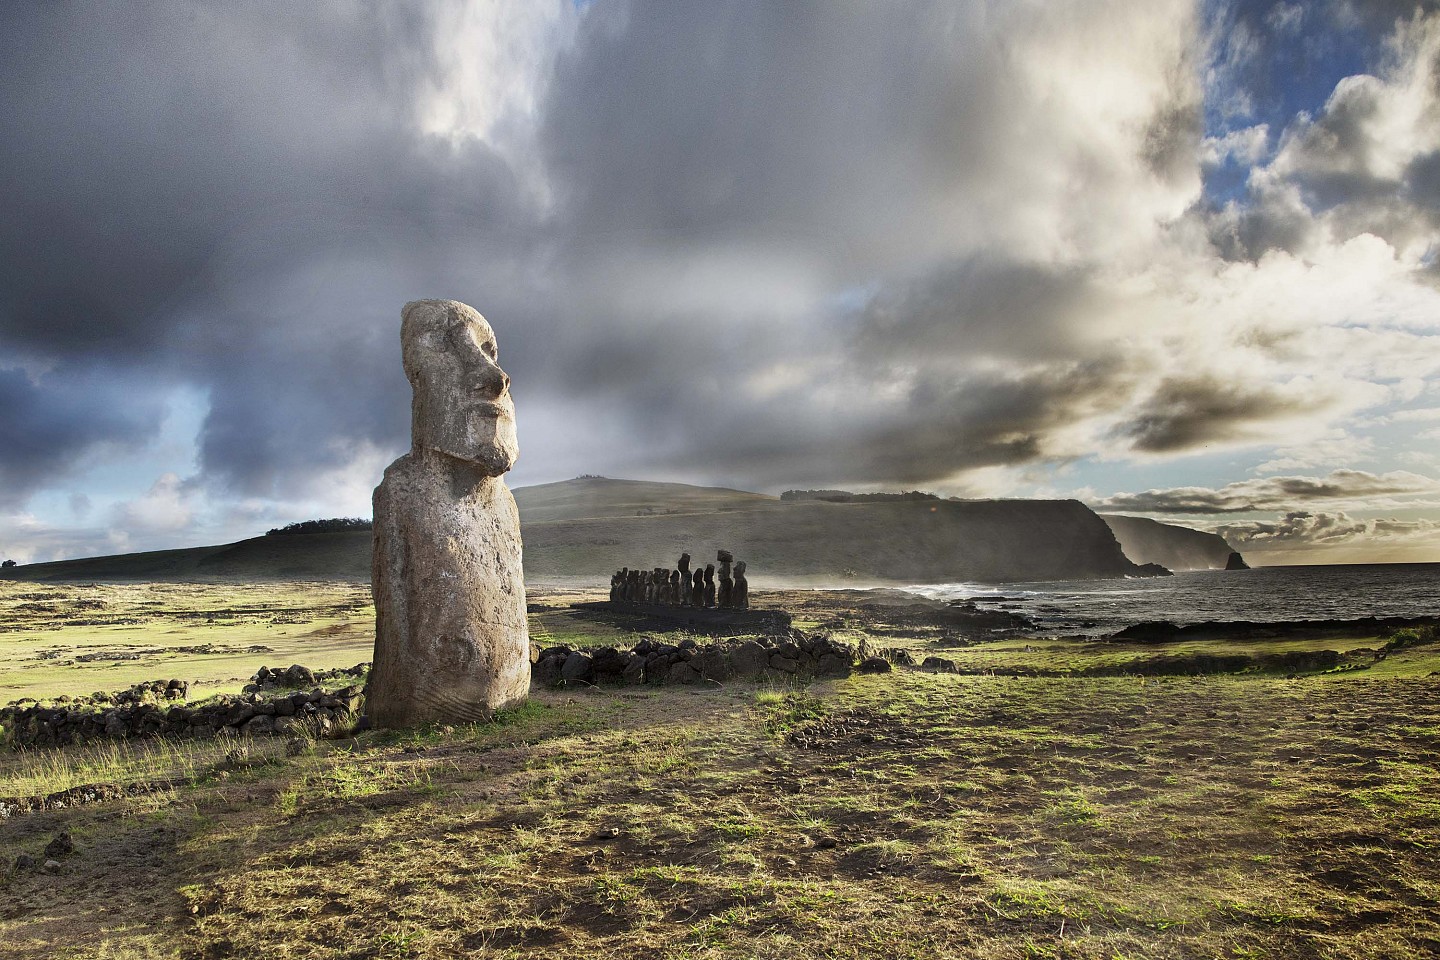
[[1098, 607]]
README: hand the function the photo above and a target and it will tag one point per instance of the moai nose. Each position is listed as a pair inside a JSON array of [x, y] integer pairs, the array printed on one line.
[[491, 380]]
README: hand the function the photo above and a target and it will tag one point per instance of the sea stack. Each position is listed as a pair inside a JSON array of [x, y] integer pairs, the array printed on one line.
[[451, 639], [1236, 562]]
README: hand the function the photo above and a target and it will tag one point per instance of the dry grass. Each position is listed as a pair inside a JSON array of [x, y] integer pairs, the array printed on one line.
[[897, 816], [904, 815]]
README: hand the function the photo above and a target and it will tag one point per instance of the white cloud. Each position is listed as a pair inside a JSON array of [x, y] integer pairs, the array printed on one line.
[[1302, 530], [1338, 488]]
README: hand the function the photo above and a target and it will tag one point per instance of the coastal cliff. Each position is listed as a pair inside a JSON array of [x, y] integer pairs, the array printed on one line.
[[589, 527], [1178, 548]]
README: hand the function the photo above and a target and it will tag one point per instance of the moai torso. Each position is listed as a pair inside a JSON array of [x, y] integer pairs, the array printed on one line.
[[449, 598]]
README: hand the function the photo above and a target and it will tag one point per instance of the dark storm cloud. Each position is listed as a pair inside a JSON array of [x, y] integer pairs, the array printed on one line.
[[985, 305], [683, 123], [871, 153], [236, 197], [49, 425], [769, 244], [1187, 413], [1273, 493]]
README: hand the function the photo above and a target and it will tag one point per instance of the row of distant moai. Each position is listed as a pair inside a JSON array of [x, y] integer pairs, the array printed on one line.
[[683, 588]]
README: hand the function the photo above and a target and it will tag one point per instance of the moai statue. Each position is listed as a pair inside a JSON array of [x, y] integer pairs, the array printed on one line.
[[647, 581], [635, 594], [451, 640], [709, 584], [662, 585], [616, 579], [684, 566], [677, 592], [741, 598], [727, 586], [697, 592]]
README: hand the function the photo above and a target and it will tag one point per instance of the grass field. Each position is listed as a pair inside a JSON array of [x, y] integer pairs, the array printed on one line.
[[902, 815], [75, 639]]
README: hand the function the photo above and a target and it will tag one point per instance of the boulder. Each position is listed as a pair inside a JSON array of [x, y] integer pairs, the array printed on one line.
[[578, 667], [682, 672], [750, 659], [784, 664], [60, 845], [260, 725]]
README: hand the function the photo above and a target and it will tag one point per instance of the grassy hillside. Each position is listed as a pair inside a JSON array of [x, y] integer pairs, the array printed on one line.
[[991, 540], [591, 527], [320, 556], [592, 497]]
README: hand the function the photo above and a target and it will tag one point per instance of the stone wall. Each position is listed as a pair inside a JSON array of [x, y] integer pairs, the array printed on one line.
[[125, 715], [269, 707], [654, 661]]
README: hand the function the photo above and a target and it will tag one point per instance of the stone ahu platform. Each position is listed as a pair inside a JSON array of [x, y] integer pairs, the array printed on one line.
[[710, 621]]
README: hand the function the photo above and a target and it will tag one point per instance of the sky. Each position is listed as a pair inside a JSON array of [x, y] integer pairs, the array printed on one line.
[[1174, 259]]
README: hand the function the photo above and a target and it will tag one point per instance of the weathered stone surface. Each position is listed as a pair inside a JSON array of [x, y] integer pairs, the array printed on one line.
[[260, 725], [578, 666], [451, 640], [712, 663], [783, 664], [750, 658], [682, 672]]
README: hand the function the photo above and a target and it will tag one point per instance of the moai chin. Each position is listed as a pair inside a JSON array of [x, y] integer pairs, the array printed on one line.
[[451, 640]]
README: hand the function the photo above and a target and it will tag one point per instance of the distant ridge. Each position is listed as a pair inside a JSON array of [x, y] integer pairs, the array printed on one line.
[[591, 526]]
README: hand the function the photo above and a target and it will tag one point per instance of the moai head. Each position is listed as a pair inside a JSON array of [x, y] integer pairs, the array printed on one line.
[[709, 573], [739, 569], [461, 404], [684, 563]]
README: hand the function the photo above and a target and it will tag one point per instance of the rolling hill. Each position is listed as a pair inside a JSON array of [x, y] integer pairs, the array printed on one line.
[[589, 527]]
